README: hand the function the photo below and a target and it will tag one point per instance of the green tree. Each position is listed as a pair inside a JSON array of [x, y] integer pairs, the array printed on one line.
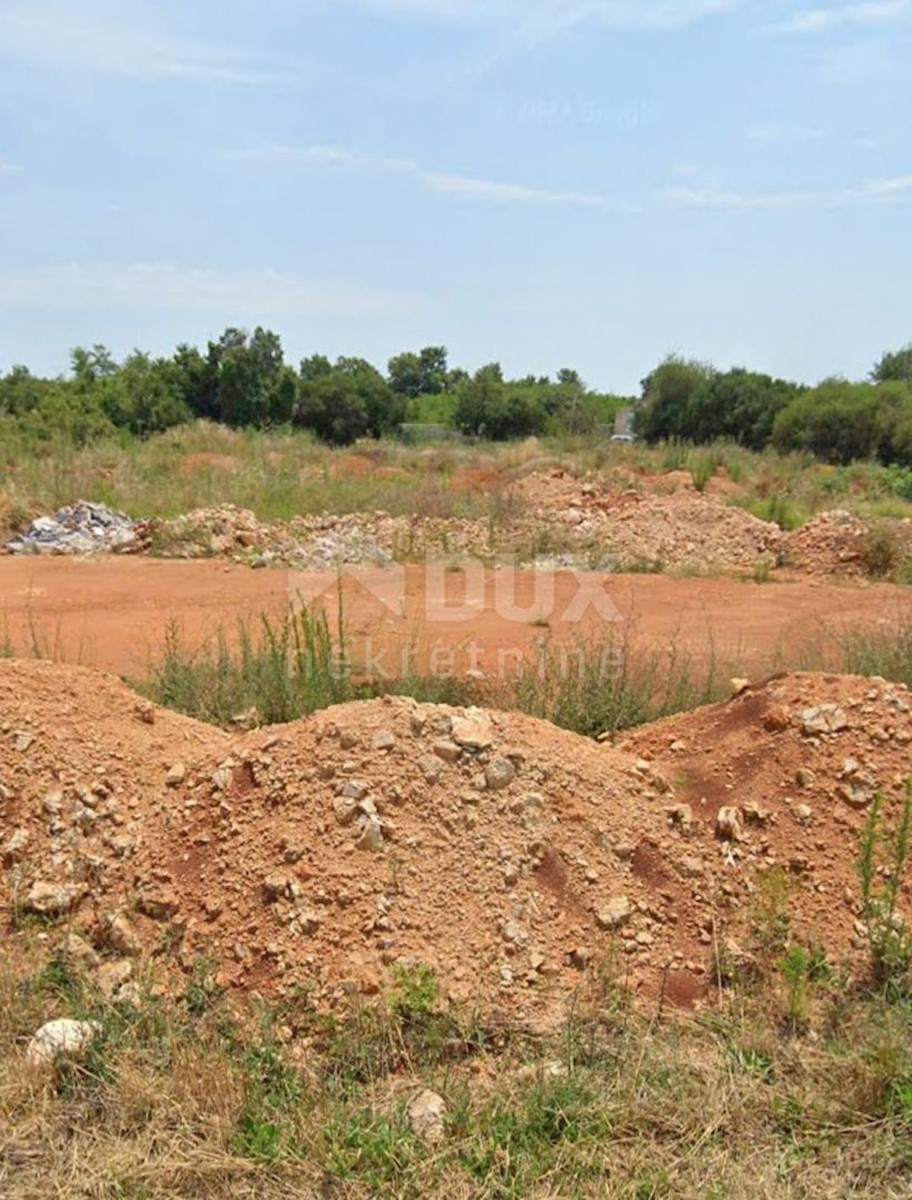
[[736, 405], [91, 366], [489, 407], [196, 378], [894, 366], [144, 396], [251, 385], [421, 374], [344, 402], [837, 421], [667, 392]]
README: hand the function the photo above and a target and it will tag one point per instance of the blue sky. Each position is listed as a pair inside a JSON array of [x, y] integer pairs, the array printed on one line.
[[591, 183]]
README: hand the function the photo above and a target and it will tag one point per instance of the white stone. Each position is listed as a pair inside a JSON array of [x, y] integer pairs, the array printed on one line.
[[63, 1038]]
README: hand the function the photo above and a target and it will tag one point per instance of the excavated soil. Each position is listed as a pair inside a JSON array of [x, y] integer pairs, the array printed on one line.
[[511, 857], [661, 523]]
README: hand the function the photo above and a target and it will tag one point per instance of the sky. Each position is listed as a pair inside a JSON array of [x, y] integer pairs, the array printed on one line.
[[545, 183]]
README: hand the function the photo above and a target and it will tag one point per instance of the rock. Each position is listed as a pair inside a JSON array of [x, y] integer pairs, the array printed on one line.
[[473, 732], [426, 1113], [279, 886], [728, 824], [825, 718], [514, 933], [383, 740], [80, 528], [52, 804], [430, 767], [691, 867], [499, 773], [371, 836], [615, 914], [158, 906], [176, 775], [112, 976], [804, 814], [756, 814], [345, 810], [681, 816], [78, 951], [805, 777], [12, 848], [447, 750], [53, 899], [119, 934], [778, 718], [221, 779], [739, 685], [62, 1038], [855, 795]]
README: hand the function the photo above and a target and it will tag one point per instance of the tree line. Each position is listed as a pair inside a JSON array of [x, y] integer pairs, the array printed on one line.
[[839, 421], [242, 380]]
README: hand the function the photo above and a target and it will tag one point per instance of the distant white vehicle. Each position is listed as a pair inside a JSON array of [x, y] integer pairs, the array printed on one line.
[[623, 437]]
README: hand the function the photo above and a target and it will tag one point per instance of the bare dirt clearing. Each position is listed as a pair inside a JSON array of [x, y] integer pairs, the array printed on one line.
[[112, 612]]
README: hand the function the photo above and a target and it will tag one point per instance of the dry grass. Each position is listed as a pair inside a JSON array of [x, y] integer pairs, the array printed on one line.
[[279, 474], [186, 1097]]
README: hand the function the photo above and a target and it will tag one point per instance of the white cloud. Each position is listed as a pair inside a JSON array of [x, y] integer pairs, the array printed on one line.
[[434, 181], [76, 286], [896, 188], [697, 197], [778, 133], [819, 20], [621, 14], [94, 36], [8, 167]]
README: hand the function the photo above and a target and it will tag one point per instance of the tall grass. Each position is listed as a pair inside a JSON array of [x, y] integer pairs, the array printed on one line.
[[884, 651], [278, 669], [605, 685], [280, 473]]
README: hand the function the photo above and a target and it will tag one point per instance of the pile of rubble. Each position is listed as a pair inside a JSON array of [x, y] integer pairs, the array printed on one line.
[[81, 528], [312, 541], [830, 543], [509, 857], [559, 519], [683, 530]]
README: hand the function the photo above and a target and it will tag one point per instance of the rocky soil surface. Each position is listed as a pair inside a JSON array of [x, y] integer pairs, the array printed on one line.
[[510, 857], [553, 517]]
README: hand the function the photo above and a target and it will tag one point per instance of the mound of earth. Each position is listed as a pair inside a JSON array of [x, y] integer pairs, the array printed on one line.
[[830, 543], [683, 529], [508, 856], [798, 761]]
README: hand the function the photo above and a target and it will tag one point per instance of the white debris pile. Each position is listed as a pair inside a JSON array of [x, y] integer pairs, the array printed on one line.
[[80, 528]]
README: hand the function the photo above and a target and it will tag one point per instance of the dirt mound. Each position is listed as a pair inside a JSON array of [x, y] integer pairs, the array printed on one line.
[[799, 760], [683, 530], [193, 464], [508, 856], [830, 543]]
